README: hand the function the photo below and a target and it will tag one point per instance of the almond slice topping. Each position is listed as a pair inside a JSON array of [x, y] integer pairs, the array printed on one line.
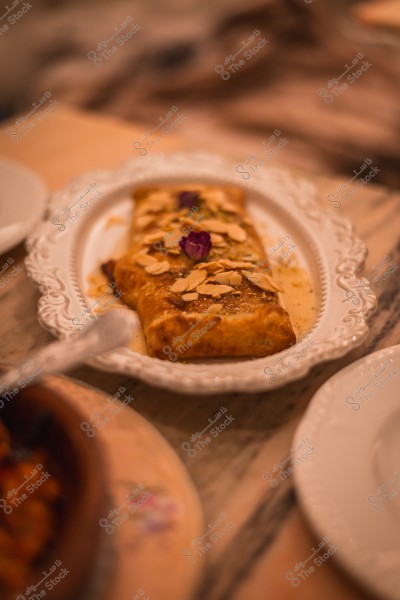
[[160, 200], [153, 237], [217, 195], [180, 285], [211, 266], [217, 240], [212, 205], [143, 221], [191, 282], [214, 290], [228, 278], [190, 297], [262, 281], [215, 226], [144, 260], [222, 264], [167, 220], [162, 266], [228, 207], [218, 200], [195, 278], [254, 258], [215, 308], [187, 221], [235, 264], [236, 233], [235, 279], [171, 240]]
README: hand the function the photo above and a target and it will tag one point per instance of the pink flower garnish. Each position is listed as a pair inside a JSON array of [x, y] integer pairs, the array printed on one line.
[[188, 199], [196, 245]]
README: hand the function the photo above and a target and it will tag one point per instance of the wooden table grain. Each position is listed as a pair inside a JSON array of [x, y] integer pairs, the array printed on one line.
[[269, 533]]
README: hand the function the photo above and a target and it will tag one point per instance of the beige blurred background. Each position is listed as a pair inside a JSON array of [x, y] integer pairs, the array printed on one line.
[[172, 59]]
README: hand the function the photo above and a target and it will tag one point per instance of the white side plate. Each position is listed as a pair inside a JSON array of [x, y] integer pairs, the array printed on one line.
[[349, 486], [23, 199], [60, 260]]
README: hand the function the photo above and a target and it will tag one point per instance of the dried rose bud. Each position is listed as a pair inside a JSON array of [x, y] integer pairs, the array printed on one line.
[[188, 199], [197, 245]]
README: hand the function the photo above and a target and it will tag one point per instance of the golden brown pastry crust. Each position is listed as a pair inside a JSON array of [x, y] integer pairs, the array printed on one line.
[[247, 322]]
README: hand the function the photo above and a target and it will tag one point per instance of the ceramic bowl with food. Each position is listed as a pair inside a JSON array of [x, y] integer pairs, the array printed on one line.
[[52, 496]]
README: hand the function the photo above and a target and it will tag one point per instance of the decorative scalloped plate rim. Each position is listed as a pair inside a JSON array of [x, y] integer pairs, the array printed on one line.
[[338, 255]]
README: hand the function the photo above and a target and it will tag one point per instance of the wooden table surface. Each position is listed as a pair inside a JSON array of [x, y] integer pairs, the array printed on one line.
[[269, 534]]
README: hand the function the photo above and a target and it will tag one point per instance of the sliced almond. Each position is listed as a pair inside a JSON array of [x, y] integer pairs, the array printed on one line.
[[171, 240], [218, 200], [217, 240], [215, 195], [143, 221], [228, 278], [235, 264], [174, 250], [188, 222], [222, 289], [147, 209], [222, 264], [215, 226], [215, 308], [228, 207], [211, 266], [190, 297], [144, 260], [222, 278], [206, 289], [252, 258], [180, 285], [150, 238], [167, 220], [162, 266], [159, 200], [212, 205], [195, 278], [213, 290], [235, 279], [236, 233], [159, 196], [262, 281]]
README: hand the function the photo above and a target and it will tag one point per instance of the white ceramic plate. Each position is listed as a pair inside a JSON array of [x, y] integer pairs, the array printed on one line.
[[349, 486], [23, 199], [63, 253]]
